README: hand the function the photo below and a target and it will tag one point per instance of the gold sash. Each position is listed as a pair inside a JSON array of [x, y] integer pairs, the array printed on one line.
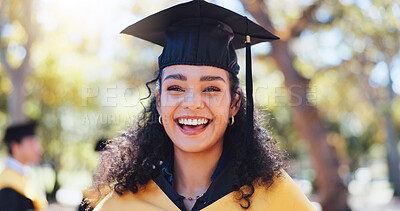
[[24, 186], [283, 195]]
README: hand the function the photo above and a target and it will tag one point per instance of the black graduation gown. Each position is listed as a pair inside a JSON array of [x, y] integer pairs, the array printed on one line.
[[17, 193], [11, 200]]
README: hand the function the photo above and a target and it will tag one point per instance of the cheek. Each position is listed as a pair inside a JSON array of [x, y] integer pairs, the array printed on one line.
[[34, 148], [27, 147], [219, 103], [167, 111], [38, 148], [170, 100], [27, 150]]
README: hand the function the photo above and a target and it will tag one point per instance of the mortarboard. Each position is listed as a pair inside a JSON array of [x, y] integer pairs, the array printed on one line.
[[19, 131], [201, 33]]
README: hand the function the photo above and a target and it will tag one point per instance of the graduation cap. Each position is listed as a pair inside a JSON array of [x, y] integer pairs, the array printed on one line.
[[18, 131], [201, 33]]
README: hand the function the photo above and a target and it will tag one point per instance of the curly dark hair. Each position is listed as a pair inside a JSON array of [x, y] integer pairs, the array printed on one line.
[[136, 156]]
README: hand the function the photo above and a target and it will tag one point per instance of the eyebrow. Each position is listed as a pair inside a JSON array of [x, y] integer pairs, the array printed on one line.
[[203, 78], [176, 76], [211, 78]]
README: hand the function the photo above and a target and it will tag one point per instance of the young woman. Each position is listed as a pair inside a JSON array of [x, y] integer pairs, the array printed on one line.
[[190, 149]]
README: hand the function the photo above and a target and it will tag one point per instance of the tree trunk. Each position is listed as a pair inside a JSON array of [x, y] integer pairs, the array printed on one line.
[[391, 145], [16, 99], [331, 190], [392, 155]]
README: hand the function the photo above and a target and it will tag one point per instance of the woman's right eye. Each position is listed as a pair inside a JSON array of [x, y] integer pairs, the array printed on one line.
[[175, 88]]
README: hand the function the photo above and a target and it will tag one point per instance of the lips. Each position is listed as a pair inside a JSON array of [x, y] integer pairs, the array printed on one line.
[[192, 125]]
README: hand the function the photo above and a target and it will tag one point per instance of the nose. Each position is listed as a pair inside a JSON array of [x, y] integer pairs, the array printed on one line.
[[193, 100]]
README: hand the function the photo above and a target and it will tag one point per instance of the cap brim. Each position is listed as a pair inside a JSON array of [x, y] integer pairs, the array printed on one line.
[[153, 27]]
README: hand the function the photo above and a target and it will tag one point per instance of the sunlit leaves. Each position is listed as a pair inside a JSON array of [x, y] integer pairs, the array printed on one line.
[[5, 85]]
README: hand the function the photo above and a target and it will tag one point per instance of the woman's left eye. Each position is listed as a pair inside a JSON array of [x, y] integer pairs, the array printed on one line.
[[212, 89]]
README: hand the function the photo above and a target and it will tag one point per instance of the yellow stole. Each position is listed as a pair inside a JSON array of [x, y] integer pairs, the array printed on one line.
[[283, 195], [23, 185]]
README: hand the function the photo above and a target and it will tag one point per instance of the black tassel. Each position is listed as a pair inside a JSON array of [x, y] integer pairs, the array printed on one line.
[[249, 90]]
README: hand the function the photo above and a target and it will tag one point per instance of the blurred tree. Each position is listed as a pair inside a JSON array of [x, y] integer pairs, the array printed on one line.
[[371, 30], [386, 45], [349, 52], [331, 189], [18, 51], [47, 77]]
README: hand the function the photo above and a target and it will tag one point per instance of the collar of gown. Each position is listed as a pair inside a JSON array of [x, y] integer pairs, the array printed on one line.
[[18, 166]]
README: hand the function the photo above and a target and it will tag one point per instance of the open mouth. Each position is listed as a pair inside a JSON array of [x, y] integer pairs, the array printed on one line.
[[192, 125]]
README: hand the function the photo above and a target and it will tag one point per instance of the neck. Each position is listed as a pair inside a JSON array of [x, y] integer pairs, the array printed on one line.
[[19, 158], [17, 166], [193, 171], [21, 161]]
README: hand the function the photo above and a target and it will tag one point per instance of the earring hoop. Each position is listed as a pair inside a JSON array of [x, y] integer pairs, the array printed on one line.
[[233, 120], [159, 120]]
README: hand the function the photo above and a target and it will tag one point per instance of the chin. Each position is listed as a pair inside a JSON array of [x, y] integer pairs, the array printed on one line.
[[194, 145], [191, 149]]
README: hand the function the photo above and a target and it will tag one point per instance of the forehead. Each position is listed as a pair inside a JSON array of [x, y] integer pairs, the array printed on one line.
[[30, 139], [195, 72]]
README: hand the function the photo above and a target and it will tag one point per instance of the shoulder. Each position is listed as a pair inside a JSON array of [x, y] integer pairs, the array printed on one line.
[[92, 196], [284, 194], [12, 179], [8, 194], [149, 198]]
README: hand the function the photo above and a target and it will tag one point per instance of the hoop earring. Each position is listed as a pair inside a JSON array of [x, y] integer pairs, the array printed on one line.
[[159, 120], [233, 120]]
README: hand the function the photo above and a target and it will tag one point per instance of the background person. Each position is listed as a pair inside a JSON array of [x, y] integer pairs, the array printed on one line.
[[17, 191]]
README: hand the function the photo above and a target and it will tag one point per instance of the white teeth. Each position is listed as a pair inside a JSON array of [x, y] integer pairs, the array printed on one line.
[[200, 121]]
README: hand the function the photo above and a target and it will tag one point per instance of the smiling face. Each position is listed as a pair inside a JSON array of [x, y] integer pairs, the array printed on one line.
[[195, 105]]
